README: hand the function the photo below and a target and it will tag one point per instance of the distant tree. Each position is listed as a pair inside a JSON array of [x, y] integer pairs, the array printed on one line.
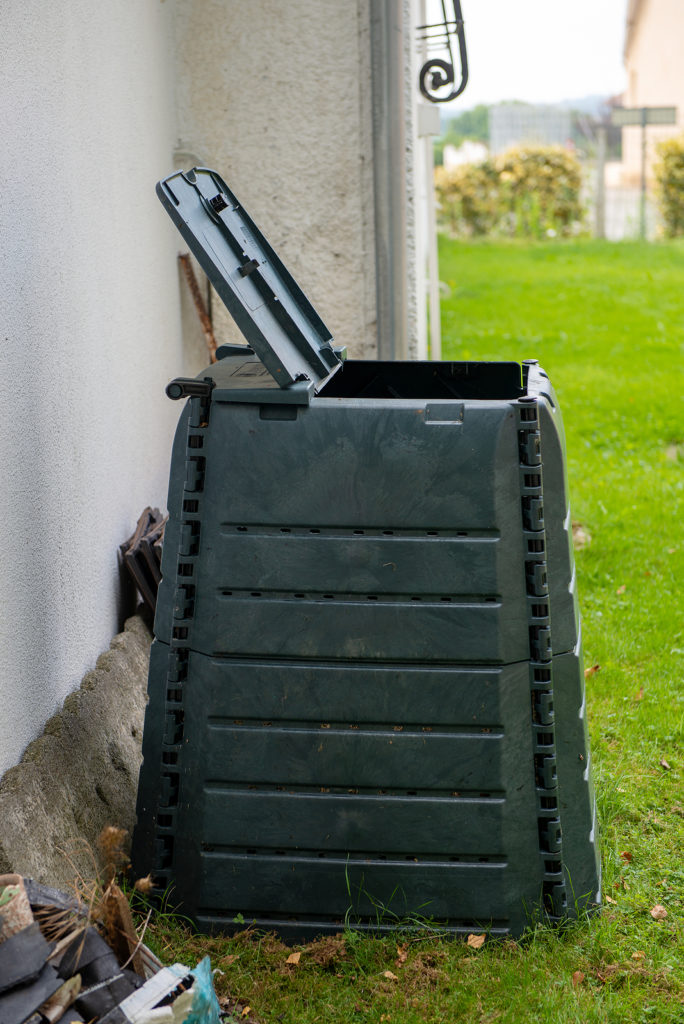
[[471, 124]]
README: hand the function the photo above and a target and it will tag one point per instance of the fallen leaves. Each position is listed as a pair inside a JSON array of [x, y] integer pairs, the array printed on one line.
[[591, 671], [233, 1009], [580, 536], [658, 913], [663, 764], [609, 899], [626, 856], [622, 589], [577, 978], [390, 975], [402, 954], [607, 972], [294, 958], [145, 884], [638, 954], [475, 941], [640, 695]]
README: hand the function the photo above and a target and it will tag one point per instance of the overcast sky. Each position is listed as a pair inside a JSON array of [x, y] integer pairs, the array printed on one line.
[[542, 51]]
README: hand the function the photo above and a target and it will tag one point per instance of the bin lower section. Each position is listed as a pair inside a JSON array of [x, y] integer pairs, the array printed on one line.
[[305, 795]]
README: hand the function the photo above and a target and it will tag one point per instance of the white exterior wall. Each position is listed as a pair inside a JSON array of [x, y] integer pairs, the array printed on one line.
[[91, 334], [276, 98], [99, 101]]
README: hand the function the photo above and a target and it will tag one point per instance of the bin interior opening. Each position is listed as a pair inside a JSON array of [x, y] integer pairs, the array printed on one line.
[[371, 379]]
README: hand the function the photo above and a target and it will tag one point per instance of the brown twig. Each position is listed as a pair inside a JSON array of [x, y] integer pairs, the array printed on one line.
[[189, 274]]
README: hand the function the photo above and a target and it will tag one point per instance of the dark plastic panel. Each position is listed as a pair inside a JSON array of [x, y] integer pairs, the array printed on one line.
[[342, 885], [267, 799], [377, 508]]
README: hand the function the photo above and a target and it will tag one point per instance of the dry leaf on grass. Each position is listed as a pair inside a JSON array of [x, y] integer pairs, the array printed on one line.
[[607, 972], [402, 953], [390, 975], [609, 899], [638, 954], [475, 941], [626, 855], [580, 535], [621, 590], [577, 978], [658, 913], [663, 764], [145, 884], [591, 671], [639, 695], [246, 1011], [293, 958]]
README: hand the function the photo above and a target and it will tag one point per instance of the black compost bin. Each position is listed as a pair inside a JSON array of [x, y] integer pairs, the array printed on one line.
[[366, 687]]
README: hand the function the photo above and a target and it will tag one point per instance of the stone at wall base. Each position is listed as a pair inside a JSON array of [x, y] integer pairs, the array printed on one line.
[[82, 773]]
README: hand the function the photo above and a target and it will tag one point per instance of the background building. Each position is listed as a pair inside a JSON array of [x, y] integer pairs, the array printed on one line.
[[655, 76]]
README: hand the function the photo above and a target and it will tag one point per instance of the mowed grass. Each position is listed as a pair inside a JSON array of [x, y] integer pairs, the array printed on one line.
[[607, 323]]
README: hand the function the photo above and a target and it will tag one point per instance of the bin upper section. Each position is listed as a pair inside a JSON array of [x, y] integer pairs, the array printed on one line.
[[267, 304]]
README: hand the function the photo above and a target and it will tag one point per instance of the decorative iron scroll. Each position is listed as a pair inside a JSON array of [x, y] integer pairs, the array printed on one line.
[[438, 73]]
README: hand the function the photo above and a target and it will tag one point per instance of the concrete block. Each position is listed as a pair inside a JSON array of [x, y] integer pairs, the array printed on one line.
[[81, 774]]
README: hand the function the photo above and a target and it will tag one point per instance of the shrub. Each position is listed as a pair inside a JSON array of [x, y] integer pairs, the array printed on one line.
[[469, 197], [669, 173], [528, 190], [541, 189]]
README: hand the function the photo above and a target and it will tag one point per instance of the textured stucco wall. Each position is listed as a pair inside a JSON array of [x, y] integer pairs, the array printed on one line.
[[276, 97], [82, 773], [91, 333]]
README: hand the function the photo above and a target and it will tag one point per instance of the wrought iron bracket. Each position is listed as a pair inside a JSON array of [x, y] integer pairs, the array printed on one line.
[[438, 72]]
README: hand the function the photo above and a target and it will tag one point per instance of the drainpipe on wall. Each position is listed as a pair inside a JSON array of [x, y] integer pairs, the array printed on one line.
[[389, 175], [429, 128]]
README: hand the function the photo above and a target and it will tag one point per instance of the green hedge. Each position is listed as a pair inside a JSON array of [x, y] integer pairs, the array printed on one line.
[[669, 172], [529, 191]]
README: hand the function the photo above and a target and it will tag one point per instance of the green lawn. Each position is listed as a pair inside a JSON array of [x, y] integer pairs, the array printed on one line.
[[607, 323]]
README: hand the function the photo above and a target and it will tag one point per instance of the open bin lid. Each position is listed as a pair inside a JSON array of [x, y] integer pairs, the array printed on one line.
[[267, 304]]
